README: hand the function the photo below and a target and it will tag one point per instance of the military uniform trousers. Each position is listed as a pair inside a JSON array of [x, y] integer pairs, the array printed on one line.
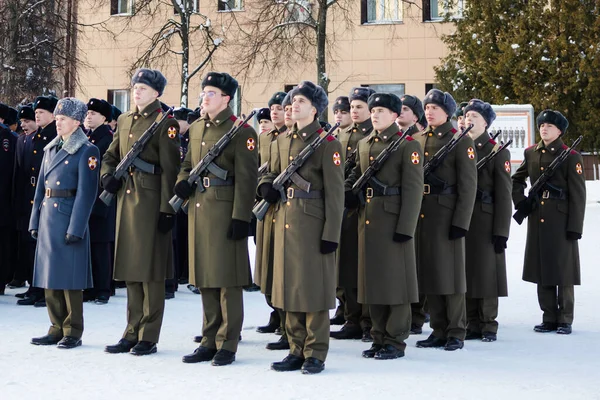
[[448, 315], [65, 309], [223, 316], [277, 316], [308, 333], [482, 314], [391, 324], [145, 309], [7, 236], [355, 313], [557, 303], [101, 268], [420, 311]]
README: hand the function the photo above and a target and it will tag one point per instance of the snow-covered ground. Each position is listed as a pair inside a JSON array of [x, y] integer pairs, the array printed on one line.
[[521, 364]]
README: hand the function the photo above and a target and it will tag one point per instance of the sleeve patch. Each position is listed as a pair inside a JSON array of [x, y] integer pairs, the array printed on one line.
[[337, 159], [172, 132], [471, 153], [250, 144], [415, 158], [507, 166], [5, 144], [92, 163], [579, 168]]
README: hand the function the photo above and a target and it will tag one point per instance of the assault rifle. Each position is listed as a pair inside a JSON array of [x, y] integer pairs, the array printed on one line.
[[206, 164], [358, 189], [539, 186], [132, 156], [442, 153], [498, 147], [350, 162], [289, 174]]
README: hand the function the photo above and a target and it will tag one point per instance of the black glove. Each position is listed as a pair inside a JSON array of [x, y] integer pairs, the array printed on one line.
[[267, 192], [183, 190], [573, 235], [351, 200], [499, 243], [33, 234], [110, 183], [400, 238], [238, 229], [70, 239], [525, 207], [328, 247], [165, 222], [457, 233]]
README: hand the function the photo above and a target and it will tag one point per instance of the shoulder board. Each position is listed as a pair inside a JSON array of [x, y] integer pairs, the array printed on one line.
[[492, 141], [320, 131], [234, 118], [170, 116], [408, 138], [330, 138], [453, 130]]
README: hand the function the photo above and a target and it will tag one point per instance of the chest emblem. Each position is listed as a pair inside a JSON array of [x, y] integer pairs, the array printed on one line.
[[471, 153], [415, 158], [579, 168], [250, 144], [172, 132], [337, 159], [92, 163], [5, 144], [507, 166]]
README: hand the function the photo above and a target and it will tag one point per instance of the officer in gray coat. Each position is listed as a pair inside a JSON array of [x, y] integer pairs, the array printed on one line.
[[64, 197]]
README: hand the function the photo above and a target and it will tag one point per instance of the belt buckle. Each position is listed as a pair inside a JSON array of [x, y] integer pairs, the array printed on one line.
[[369, 193], [546, 194], [290, 193], [32, 180], [206, 182], [426, 188], [48, 192]]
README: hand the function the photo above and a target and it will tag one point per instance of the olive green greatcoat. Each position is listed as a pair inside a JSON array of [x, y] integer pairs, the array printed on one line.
[[263, 267], [142, 253], [348, 250], [486, 270], [216, 261], [387, 270], [441, 261], [550, 258], [304, 280]]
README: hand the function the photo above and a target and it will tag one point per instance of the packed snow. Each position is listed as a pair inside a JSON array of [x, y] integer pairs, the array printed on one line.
[[522, 364]]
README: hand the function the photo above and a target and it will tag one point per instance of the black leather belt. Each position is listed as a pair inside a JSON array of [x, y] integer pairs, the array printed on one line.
[[485, 196], [554, 194], [60, 192], [208, 182], [388, 191], [429, 189], [293, 193]]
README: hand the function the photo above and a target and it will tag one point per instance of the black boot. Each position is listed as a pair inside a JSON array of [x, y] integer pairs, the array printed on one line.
[[281, 344], [366, 335], [290, 363], [371, 352], [101, 300], [201, 354], [124, 346], [15, 284], [472, 335], [69, 342], [40, 303], [23, 294], [454, 344], [270, 328], [47, 340], [223, 357], [564, 329], [431, 342], [31, 299], [415, 329], [348, 331], [252, 288], [389, 352], [545, 327], [488, 337], [143, 348], [312, 366], [197, 339]]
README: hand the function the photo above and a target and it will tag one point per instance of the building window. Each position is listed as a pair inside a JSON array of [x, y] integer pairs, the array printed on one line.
[[438, 10], [119, 98], [381, 11], [236, 102], [429, 86], [230, 5], [395, 88], [287, 88], [121, 7], [191, 4], [297, 10]]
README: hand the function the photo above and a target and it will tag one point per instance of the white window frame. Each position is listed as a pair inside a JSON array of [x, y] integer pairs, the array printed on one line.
[[399, 89], [300, 7], [196, 6], [239, 6], [121, 99], [447, 10], [129, 7], [380, 6]]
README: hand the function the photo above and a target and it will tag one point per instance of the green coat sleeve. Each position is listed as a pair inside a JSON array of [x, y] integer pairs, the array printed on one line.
[[577, 193], [356, 171], [246, 174], [502, 194], [169, 161], [186, 167], [466, 182], [274, 163], [412, 189], [519, 180], [333, 188], [112, 156]]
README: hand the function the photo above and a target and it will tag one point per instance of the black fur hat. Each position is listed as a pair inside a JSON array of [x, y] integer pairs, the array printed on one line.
[[360, 93], [387, 100], [194, 115], [47, 103], [277, 98], [221, 80], [151, 77], [341, 103], [263, 113], [314, 93], [423, 121], [460, 109], [115, 113], [553, 117], [26, 112], [414, 104], [181, 113], [483, 108], [442, 99], [100, 106], [3, 110]]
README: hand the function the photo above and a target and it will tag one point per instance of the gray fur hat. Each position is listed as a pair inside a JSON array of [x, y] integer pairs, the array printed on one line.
[[360, 93], [414, 104], [341, 103], [151, 77], [287, 100], [483, 108], [72, 108], [277, 98], [442, 99], [314, 93]]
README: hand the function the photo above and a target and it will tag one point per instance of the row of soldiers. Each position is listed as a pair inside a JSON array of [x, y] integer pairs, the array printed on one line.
[[404, 235]]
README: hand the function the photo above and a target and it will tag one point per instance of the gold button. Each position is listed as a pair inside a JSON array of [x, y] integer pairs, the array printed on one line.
[[349, 148], [367, 222], [273, 220], [430, 134], [55, 205], [542, 168], [145, 114], [136, 117], [66, 162], [543, 151], [33, 184], [46, 182], [130, 135], [32, 168], [295, 137], [354, 130], [291, 158], [207, 125], [426, 153], [287, 226], [35, 152], [197, 204], [44, 203], [371, 158], [368, 200], [58, 182], [422, 215], [217, 121], [31, 201], [377, 139], [39, 135], [131, 174], [128, 191], [203, 143], [542, 203], [288, 203], [542, 220]]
